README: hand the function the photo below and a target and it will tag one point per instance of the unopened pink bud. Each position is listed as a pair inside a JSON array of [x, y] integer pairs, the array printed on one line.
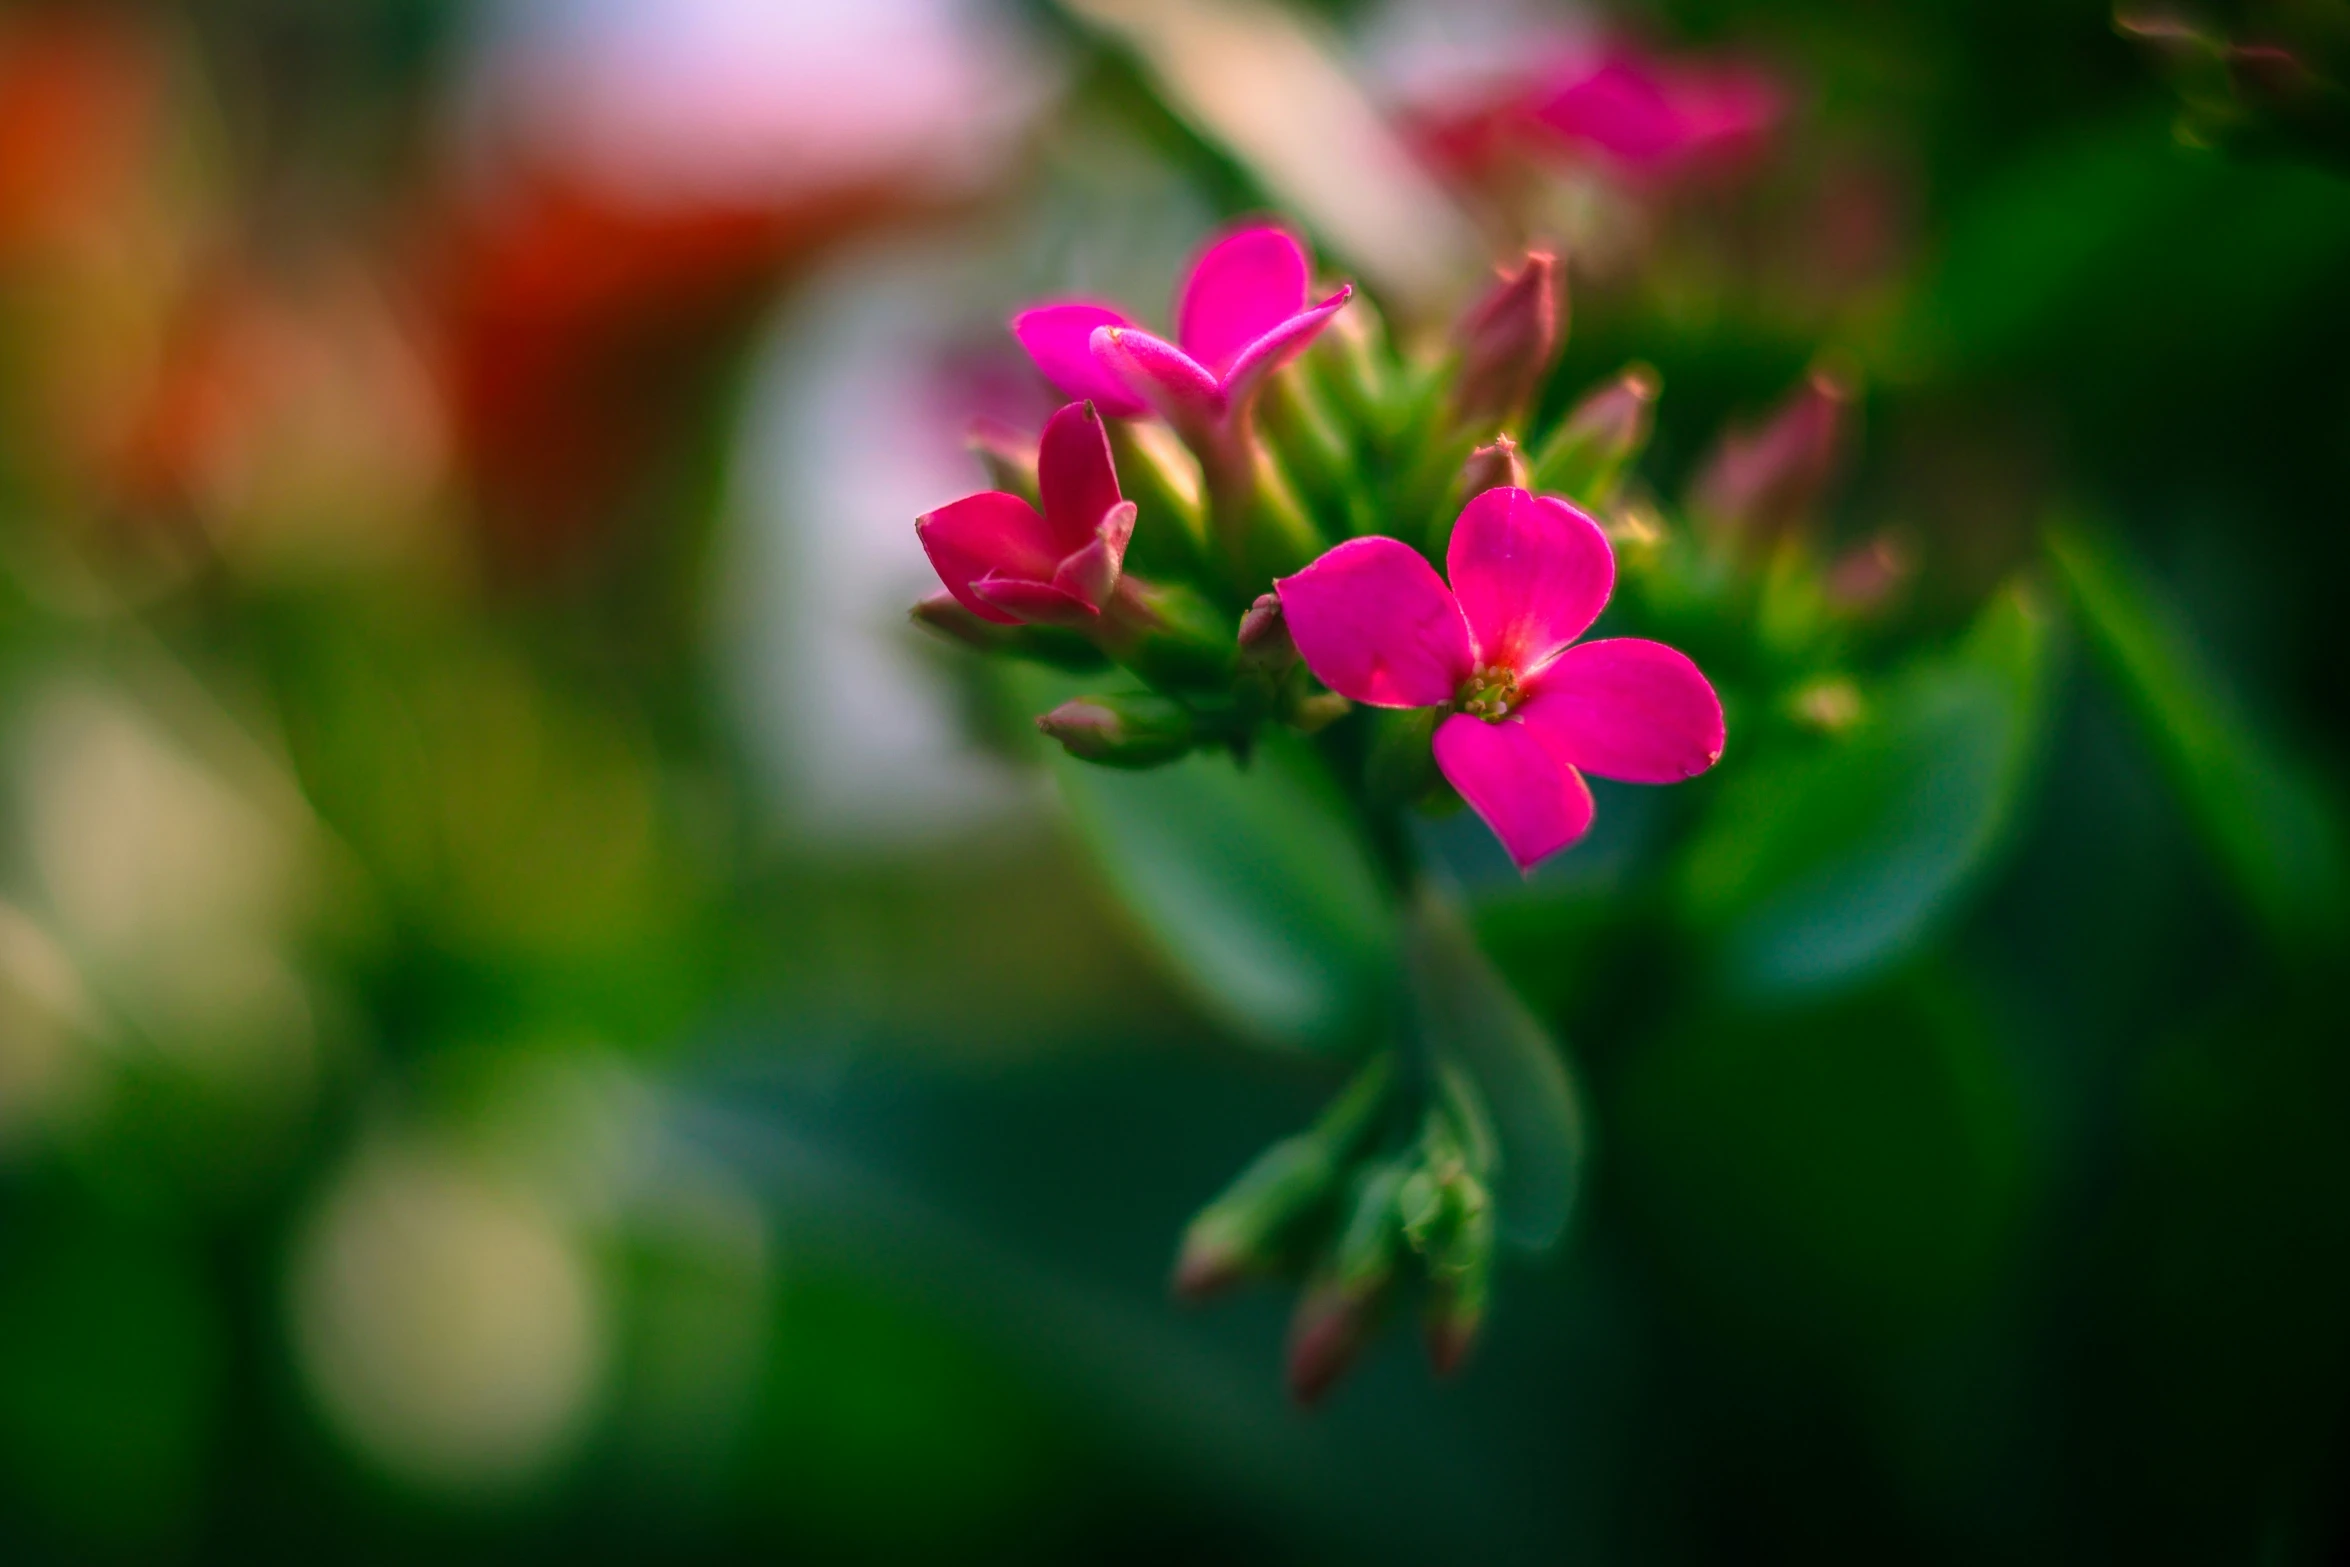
[[1325, 1337], [1265, 647], [1865, 578], [1500, 466], [1507, 340], [1136, 730], [1763, 481], [1449, 1336]]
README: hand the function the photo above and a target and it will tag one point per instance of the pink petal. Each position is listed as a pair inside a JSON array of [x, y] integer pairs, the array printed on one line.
[[1241, 287], [1166, 377], [1535, 803], [1628, 709], [984, 533], [1076, 474], [1090, 575], [1532, 574], [1015, 599], [1059, 338], [1375, 624], [1279, 346]]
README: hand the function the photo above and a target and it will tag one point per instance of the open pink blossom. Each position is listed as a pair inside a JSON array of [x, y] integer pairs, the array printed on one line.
[[1528, 710], [1241, 314], [1007, 562]]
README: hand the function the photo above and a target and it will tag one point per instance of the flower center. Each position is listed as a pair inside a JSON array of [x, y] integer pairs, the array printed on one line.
[[1489, 693]]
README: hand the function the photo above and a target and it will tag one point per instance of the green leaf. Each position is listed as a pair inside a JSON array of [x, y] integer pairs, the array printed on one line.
[[2271, 831], [1819, 866], [1255, 886], [1470, 1019]]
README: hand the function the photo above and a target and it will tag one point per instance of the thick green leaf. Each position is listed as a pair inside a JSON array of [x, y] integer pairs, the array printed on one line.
[[1255, 886], [1820, 866], [2273, 834], [1469, 1017]]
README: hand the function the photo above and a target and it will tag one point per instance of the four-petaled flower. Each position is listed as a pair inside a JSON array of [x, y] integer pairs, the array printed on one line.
[[1240, 315], [1006, 562], [1528, 710]]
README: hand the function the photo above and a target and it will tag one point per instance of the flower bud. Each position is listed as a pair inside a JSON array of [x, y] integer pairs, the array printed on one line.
[[1866, 578], [1338, 1311], [1460, 1283], [1507, 340], [1326, 1334], [1603, 434], [1764, 481], [1135, 730], [1265, 647], [1495, 467], [942, 614], [1008, 455], [1243, 1230]]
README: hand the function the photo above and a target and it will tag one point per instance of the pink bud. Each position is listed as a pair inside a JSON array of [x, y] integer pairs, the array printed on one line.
[[1507, 340], [1133, 730], [1264, 638], [1765, 480], [1325, 1337], [1497, 467]]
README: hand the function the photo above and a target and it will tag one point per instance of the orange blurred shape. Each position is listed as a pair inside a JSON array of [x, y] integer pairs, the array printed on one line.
[[576, 326], [80, 95]]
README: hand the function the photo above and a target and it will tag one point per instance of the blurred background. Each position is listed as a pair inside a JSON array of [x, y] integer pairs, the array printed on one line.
[[539, 1018]]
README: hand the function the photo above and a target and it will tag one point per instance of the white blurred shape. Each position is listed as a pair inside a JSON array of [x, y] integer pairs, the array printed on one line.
[[1268, 86], [448, 1327], [1434, 54], [171, 887], [758, 100], [841, 450]]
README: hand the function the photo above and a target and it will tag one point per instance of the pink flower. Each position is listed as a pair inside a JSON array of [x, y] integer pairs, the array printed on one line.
[[1527, 714], [1006, 562], [1240, 315], [1652, 117]]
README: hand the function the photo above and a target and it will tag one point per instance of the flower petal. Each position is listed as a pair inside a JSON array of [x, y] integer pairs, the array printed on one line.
[[984, 533], [1015, 600], [1076, 474], [1535, 803], [1059, 337], [1090, 575], [1164, 376], [1279, 346], [1375, 624], [1532, 574], [1628, 709], [1241, 287]]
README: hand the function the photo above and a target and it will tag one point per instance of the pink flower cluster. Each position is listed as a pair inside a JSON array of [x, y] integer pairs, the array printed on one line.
[[1528, 710]]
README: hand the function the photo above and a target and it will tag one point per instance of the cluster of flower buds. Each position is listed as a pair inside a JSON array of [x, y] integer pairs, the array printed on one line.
[[1360, 1208], [1277, 518], [1244, 518]]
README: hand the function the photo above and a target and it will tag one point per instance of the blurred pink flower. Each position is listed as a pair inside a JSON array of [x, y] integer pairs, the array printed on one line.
[[1528, 710], [1240, 315], [1007, 562], [1648, 119]]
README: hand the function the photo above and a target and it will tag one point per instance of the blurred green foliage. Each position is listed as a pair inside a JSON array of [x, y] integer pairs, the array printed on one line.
[[1951, 1131]]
